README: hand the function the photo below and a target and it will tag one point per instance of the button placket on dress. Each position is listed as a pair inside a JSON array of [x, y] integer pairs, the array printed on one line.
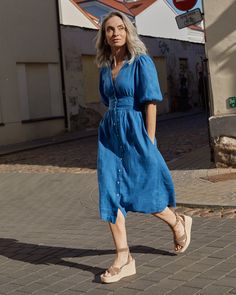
[[119, 168], [117, 126]]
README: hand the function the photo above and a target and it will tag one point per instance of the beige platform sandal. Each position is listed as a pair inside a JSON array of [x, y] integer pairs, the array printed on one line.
[[114, 274], [185, 239]]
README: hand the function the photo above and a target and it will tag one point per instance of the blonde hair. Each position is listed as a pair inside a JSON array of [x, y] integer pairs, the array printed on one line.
[[133, 43]]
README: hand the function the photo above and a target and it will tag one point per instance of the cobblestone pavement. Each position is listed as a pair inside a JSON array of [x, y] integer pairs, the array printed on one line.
[[175, 138], [52, 242]]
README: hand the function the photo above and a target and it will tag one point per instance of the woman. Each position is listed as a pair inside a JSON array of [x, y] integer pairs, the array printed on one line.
[[132, 174]]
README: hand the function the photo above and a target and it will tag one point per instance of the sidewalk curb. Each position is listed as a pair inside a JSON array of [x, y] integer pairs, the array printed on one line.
[[67, 137], [27, 146], [205, 206]]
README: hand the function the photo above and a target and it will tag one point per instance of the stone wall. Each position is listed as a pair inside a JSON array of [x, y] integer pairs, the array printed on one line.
[[225, 152]]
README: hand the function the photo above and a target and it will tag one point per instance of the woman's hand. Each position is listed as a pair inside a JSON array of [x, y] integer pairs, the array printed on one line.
[[151, 111]]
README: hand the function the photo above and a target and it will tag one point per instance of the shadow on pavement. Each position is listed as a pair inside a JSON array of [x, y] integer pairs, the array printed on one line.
[[53, 255], [195, 160]]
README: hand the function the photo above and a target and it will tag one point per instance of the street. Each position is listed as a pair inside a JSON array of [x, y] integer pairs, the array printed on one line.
[[53, 242]]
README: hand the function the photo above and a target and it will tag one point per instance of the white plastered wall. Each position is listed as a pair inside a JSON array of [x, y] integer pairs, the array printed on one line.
[[28, 37]]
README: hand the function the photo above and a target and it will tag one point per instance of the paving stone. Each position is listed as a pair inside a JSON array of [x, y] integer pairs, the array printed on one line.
[[216, 290], [27, 280], [199, 283], [186, 261], [169, 284], [184, 275], [225, 253], [212, 274], [98, 292], [145, 269], [232, 274], [4, 280], [113, 287], [157, 276], [211, 261], [184, 290], [154, 290], [227, 282], [69, 292], [6, 289], [171, 268], [30, 288], [125, 291], [140, 284], [225, 266], [85, 286], [43, 292], [17, 293], [198, 267], [59, 286]]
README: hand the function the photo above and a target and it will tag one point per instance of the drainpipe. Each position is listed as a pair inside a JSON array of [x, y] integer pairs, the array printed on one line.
[[207, 89], [67, 125]]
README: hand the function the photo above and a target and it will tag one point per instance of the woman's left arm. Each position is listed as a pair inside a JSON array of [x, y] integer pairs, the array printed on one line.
[[151, 111]]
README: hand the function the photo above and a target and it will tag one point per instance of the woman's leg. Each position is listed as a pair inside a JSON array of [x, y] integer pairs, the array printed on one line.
[[124, 265], [169, 217], [119, 235]]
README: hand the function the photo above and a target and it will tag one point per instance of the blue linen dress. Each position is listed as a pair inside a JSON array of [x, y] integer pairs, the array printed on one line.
[[132, 174]]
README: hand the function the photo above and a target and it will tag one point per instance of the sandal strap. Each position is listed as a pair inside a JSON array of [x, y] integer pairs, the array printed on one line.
[[178, 219], [182, 240], [114, 270], [122, 250]]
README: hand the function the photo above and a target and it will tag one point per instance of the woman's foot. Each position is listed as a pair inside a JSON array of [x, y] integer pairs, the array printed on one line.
[[182, 232], [123, 266]]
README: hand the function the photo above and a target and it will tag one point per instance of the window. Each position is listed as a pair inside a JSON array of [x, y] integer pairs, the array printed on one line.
[[39, 90], [183, 65]]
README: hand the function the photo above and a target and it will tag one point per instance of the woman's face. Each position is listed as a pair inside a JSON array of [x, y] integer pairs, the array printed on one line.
[[115, 32]]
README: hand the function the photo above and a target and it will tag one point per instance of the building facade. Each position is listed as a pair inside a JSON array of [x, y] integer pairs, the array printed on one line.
[[178, 64], [31, 100], [221, 52]]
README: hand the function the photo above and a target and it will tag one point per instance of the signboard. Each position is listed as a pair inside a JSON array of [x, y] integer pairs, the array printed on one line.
[[184, 4], [232, 102], [189, 18]]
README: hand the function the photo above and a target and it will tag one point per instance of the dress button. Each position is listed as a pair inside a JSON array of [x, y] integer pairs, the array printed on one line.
[[119, 170], [117, 195], [118, 182]]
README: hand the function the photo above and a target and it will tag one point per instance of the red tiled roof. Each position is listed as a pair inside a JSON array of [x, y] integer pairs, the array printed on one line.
[[131, 8], [91, 18], [139, 6], [117, 5], [94, 18]]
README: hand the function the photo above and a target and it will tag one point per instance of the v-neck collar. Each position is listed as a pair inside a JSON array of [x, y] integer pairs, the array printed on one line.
[[110, 67]]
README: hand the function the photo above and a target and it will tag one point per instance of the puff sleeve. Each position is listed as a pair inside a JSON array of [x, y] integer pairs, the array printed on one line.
[[103, 98], [147, 84]]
